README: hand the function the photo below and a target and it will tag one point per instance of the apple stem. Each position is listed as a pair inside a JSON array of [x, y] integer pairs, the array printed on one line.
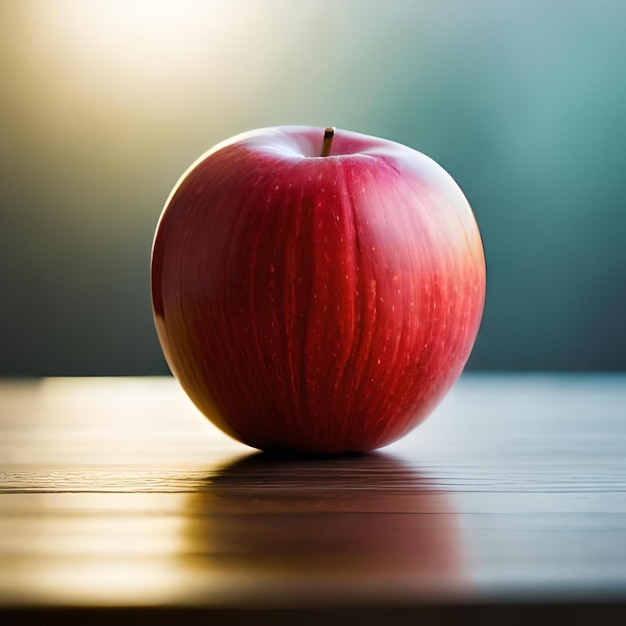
[[329, 134]]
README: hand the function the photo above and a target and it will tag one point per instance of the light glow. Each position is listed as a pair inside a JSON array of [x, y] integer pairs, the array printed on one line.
[[141, 38], [157, 58]]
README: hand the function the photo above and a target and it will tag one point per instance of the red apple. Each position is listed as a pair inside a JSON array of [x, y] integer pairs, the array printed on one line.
[[313, 293]]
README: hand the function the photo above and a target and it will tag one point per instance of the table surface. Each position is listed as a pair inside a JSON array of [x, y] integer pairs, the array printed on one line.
[[120, 502]]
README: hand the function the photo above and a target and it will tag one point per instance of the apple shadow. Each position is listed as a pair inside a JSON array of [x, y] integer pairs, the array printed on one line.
[[345, 527]]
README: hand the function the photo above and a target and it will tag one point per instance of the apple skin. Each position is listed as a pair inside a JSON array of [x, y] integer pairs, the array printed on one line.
[[317, 304]]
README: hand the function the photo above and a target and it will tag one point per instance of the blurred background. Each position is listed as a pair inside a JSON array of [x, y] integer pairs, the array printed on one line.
[[104, 103]]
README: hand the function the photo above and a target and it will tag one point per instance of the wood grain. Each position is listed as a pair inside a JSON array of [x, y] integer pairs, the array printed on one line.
[[117, 496]]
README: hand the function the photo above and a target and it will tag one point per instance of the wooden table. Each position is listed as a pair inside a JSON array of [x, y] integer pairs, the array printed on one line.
[[119, 503]]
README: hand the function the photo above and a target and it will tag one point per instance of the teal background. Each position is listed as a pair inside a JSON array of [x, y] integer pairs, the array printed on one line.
[[104, 104]]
